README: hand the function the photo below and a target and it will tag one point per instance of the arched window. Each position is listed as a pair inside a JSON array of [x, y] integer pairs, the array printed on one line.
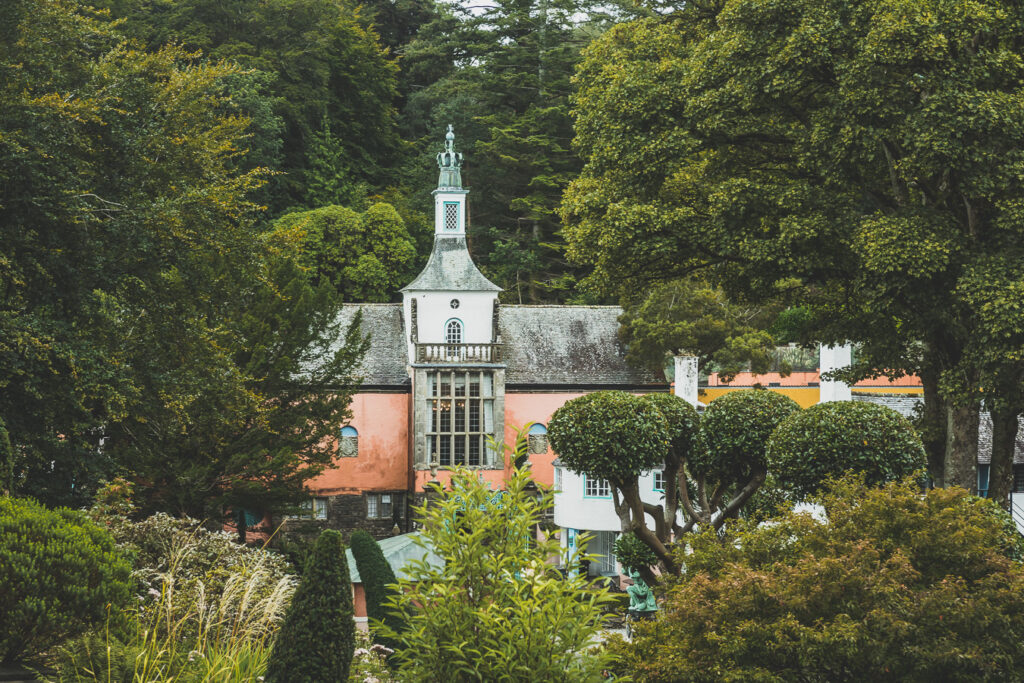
[[453, 332], [538, 436], [349, 443]]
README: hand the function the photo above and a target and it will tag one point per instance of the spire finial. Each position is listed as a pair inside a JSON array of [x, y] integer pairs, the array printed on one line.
[[449, 162]]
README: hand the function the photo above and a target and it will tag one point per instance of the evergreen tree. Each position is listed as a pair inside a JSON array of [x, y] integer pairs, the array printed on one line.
[[317, 640], [376, 575], [501, 75]]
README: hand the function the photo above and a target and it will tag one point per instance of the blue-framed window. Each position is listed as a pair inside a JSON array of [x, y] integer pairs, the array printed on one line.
[[983, 477], [538, 439], [348, 444], [596, 488], [451, 216], [659, 480]]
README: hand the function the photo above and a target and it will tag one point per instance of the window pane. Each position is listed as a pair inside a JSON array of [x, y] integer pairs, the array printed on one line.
[[371, 505], [320, 511]]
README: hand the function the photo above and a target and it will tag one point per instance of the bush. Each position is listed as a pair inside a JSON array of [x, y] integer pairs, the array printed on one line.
[[496, 609], [894, 585], [317, 638], [59, 575], [734, 433], [376, 576], [633, 553], [829, 438], [609, 434]]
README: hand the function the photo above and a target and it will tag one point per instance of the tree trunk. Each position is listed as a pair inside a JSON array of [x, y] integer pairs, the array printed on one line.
[[1004, 443], [934, 427], [960, 467]]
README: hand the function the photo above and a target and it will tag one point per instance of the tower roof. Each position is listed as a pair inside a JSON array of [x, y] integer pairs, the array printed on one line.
[[450, 267]]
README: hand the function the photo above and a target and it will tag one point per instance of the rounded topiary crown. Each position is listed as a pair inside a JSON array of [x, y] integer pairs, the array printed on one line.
[[828, 439]]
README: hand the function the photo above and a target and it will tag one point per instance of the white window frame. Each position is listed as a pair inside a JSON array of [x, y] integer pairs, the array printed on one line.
[[312, 508], [596, 488], [461, 415], [453, 331], [659, 475], [380, 505], [450, 216]]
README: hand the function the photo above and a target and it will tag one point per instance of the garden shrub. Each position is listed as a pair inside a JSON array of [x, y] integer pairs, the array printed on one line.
[[827, 439], [496, 609], [59, 575], [317, 640], [891, 585], [612, 435], [633, 554], [734, 433], [376, 575]]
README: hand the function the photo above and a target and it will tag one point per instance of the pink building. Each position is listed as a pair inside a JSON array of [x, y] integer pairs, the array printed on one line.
[[449, 368]]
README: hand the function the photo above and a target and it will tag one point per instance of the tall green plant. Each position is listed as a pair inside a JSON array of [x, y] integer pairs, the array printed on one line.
[[59, 574], [378, 579], [497, 609], [317, 638]]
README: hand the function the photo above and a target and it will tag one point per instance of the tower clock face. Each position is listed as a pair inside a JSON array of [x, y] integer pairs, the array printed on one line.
[[454, 303]]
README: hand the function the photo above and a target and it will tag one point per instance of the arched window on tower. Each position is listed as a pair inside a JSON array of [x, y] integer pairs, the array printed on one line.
[[453, 332]]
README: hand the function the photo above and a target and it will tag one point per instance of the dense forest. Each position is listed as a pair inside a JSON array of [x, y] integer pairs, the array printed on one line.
[[348, 104]]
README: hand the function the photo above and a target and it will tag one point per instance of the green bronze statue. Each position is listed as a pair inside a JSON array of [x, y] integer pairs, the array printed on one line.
[[641, 598]]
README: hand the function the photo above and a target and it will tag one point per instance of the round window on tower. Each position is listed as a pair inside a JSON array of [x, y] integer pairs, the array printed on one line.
[[454, 303]]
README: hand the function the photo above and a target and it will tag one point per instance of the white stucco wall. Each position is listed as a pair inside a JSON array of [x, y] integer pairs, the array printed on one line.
[[574, 510], [833, 358]]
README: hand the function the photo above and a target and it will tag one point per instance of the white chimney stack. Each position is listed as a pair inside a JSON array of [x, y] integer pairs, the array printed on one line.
[[834, 358], [686, 379]]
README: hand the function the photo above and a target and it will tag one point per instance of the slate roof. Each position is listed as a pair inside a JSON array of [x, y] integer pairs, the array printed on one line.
[[450, 267], [385, 361], [568, 345], [904, 404]]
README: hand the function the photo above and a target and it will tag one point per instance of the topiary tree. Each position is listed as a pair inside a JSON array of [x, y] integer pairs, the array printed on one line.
[[317, 639], [59, 575], [890, 585], [377, 578], [829, 438], [617, 436]]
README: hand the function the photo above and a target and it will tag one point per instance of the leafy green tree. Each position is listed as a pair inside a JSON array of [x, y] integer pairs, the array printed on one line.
[[633, 554], [891, 585], [144, 311], [845, 157], [617, 436], [687, 317], [365, 256], [317, 638], [321, 60], [59, 575], [378, 579], [497, 609], [827, 439]]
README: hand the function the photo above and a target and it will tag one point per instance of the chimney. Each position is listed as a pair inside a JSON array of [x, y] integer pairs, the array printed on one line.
[[834, 358], [686, 379]]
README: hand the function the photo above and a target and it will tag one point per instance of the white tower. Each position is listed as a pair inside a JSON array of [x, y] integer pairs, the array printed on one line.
[[450, 303]]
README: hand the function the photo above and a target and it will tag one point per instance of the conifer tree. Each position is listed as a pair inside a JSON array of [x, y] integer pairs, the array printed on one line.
[[316, 641], [376, 575]]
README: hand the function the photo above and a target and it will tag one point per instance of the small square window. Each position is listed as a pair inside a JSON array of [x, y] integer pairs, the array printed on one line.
[[313, 508], [380, 505], [659, 480], [596, 488]]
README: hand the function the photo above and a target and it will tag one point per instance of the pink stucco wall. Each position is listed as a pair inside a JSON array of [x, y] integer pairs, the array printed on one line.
[[520, 409], [382, 421]]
